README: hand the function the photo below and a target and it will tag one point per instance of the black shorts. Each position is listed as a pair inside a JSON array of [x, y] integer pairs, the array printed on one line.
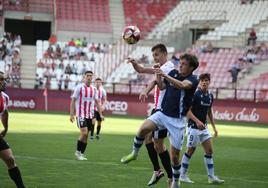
[[3, 144], [97, 116], [158, 134], [84, 122]]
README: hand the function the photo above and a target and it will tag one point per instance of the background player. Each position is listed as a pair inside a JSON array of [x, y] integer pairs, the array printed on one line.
[[197, 132], [82, 102], [180, 88], [5, 151], [102, 95], [154, 141]]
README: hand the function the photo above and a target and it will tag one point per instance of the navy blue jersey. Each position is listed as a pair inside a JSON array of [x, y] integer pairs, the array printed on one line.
[[201, 104], [176, 102]]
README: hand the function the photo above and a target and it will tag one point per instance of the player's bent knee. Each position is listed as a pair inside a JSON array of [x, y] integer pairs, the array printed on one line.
[[159, 147], [190, 151], [209, 151], [10, 161], [148, 138]]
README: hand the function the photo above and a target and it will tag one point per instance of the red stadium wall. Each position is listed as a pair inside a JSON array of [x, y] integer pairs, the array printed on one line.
[[228, 110]]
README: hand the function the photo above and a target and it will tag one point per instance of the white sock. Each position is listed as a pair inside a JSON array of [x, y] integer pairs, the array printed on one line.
[[185, 163], [209, 165]]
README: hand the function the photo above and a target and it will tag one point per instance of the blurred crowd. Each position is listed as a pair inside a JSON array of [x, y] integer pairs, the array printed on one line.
[[10, 60]]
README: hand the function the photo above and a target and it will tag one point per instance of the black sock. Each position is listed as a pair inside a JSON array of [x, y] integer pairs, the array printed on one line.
[[83, 147], [98, 129], [92, 130], [79, 146], [153, 156], [15, 175], [165, 159]]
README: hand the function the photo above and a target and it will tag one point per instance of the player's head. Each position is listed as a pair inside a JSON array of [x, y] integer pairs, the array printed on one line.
[[98, 82], [88, 76], [2, 81], [188, 63], [159, 53], [204, 81]]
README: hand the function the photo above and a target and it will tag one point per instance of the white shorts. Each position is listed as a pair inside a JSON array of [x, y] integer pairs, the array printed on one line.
[[175, 127], [196, 136]]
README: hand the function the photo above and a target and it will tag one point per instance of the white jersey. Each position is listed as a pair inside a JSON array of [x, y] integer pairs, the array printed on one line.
[[101, 95], [85, 100], [4, 98], [159, 94]]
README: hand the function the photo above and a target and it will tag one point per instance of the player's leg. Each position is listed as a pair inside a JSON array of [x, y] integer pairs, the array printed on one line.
[[192, 141], [83, 125], [176, 129], [147, 127], [208, 160], [13, 171], [157, 173], [162, 151], [99, 122], [92, 128]]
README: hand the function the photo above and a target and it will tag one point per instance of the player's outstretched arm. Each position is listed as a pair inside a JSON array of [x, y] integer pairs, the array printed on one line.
[[72, 109], [5, 123], [144, 94], [186, 84], [211, 119], [139, 68], [160, 83], [200, 125]]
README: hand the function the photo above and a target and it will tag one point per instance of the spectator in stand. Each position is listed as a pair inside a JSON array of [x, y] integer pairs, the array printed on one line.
[[16, 60], [84, 42], [92, 47], [98, 48], [61, 65], [263, 50], [210, 48], [40, 64], [58, 52], [92, 58], [250, 56], [52, 39], [60, 81], [38, 82], [66, 82], [234, 73], [68, 69], [105, 48], [78, 42], [71, 43], [74, 69], [50, 52], [252, 37]]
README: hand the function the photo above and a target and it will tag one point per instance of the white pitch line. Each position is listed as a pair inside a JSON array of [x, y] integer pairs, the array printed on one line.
[[119, 164]]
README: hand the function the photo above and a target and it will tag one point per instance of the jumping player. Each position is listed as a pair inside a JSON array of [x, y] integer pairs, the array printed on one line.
[[201, 108], [180, 87], [154, 141]]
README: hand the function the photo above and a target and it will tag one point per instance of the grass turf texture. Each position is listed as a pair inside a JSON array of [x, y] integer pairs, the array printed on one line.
[[44, 146]]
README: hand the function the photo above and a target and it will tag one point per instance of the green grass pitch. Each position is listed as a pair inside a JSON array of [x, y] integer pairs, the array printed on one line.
[[44, 146]]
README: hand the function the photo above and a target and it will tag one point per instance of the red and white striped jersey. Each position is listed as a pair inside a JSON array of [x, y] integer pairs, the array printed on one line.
[[159, 94], [101, 96], [4, 98], [85, 100]]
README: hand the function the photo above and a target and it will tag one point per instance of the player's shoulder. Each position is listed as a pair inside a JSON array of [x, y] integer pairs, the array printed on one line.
[[210, 94], [78, 86], [198, 92], [4, 94], [167, 67]]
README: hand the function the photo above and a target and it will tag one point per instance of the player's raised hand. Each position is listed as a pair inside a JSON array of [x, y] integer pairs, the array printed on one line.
[[71, 118], [157, 65], [143, 96], [158, 71]]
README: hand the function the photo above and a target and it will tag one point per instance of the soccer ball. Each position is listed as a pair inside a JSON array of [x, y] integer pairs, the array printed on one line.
[[131, 34]]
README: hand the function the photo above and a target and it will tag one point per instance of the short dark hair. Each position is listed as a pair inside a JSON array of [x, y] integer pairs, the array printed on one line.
[[204, 76], [161, 47], [88, 72], [98, 79], [192, 59]]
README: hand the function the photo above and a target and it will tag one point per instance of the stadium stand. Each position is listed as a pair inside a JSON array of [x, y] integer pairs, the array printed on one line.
[[29, 5], [146, 14], [92, 16], [230, 12]]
